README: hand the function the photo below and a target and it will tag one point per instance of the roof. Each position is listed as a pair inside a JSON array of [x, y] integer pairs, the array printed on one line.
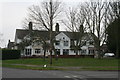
[[21, 33], [10, 45]]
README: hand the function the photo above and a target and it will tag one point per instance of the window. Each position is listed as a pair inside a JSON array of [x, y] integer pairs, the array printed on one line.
[[83, 51], [91, 51], [65, 51], [28, 52], [57, 43], [91, 42], [57, 51], [37, 51], [65, 43]]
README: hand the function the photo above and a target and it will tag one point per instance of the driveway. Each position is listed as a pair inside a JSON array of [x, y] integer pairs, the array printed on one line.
[[62, 75]]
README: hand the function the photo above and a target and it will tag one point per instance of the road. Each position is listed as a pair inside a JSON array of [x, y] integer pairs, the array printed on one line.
[[68, 75]]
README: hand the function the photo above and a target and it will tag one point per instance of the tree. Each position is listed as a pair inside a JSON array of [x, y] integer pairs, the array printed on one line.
[[44, 17], [115, 9], [27, 40], [95, 14], [34, 37], [40, 14], [74, 23], [113, 38], [113, 29], [42, 40]]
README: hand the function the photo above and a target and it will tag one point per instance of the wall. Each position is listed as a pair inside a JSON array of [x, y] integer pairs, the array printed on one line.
[[62, 37]]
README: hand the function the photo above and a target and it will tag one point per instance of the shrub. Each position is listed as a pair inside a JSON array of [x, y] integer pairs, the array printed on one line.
[[10, 54]]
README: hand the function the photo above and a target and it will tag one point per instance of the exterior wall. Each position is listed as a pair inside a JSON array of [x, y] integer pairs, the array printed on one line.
[[33, 50], [86, 47], [15, 47], [72, 52], [18, 41], [62, 37]]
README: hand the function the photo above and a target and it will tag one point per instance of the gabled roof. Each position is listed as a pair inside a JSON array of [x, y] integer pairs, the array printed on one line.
[[21, 33], [10, 45]]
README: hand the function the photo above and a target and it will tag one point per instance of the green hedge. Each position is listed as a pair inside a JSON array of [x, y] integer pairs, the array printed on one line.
[[10, 54]]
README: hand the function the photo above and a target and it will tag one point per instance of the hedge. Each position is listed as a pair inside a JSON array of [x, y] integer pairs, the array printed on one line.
[[10, 54]]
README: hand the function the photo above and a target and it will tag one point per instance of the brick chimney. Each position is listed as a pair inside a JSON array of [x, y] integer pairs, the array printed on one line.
[[30, 26], [9, 41], [57, 27], [81, 29]]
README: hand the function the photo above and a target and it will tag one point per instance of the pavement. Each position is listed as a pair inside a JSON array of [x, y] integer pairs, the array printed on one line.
[[20, 74]]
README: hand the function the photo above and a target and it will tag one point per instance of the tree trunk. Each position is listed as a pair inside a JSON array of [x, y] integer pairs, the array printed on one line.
[[98, 50], [51, 24], [76, 53], [117, 41], [44, 54], [117, 47], [50, 57], [117, 52]]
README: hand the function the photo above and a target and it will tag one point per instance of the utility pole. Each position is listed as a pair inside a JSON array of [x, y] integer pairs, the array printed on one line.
[[51, 24]]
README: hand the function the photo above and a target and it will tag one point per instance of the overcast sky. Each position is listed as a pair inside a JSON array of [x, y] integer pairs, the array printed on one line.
[[13, 12]]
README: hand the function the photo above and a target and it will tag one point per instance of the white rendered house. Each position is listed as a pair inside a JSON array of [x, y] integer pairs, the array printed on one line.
[[62, 43]]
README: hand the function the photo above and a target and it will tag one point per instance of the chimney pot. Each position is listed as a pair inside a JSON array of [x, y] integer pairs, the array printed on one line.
[[9, 40], [57, 27], [30, 25]]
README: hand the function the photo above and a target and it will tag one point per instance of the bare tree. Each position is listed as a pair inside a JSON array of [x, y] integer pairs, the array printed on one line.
[[40, 14], [44, 17], [74, 22], [42, 40], [96, 18]]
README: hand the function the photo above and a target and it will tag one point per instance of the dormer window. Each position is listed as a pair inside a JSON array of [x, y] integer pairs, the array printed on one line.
[[57, 43], [65, 43], [91, 42]]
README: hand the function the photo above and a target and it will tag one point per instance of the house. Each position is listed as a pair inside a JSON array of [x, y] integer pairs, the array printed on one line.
[[10, 45], [63, 42]]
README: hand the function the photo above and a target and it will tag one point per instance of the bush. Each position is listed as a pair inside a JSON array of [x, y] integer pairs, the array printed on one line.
[[10, 54]]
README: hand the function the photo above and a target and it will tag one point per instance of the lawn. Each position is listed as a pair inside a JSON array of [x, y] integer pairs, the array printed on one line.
[[85, 63]]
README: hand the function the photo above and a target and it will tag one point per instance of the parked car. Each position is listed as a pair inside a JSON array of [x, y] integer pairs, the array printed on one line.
[[109, 55]]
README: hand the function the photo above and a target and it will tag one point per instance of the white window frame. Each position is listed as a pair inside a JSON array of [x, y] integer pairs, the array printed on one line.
[[37, 51], [66, 43]]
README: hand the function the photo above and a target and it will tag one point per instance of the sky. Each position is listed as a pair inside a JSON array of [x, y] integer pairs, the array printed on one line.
[[13, 12]]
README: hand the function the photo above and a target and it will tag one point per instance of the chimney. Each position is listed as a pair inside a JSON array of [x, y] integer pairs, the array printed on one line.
[[30, 26], [9, 40], [57, 27], [81, 29]]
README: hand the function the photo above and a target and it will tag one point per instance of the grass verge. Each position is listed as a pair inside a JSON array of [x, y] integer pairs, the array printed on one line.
[[30, 67], [65, 64]]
